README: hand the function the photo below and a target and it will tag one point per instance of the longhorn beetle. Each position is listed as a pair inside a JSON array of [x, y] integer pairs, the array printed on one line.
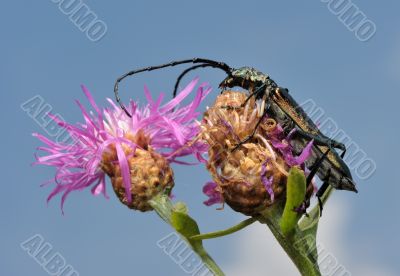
[[324, 160]]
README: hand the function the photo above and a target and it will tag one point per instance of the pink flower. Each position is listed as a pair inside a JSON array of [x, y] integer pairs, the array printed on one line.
[[169, 129]]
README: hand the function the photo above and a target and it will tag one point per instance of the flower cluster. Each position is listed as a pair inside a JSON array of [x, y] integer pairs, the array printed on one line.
[[135, 151], [251, 177]]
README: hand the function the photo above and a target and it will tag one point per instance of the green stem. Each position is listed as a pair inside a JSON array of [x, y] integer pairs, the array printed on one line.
[[208, 261], [306, 265], [164, 208], [225, 232]]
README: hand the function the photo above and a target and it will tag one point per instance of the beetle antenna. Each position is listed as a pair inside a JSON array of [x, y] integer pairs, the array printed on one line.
[[221, 65], [178, 80]]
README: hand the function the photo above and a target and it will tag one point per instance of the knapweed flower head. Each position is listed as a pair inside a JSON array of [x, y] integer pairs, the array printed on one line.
[[253, 176], [134, 151]]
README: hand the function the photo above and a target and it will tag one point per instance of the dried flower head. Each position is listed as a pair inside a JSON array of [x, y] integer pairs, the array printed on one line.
[[250, 178], [134, 151]]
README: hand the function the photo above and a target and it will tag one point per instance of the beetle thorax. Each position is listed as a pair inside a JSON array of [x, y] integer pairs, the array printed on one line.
[[245, 77]]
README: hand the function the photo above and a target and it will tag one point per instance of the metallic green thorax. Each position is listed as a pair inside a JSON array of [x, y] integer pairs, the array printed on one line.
[[247, 78]]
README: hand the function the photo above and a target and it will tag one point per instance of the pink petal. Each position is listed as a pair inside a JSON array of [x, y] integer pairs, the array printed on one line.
[[125, 171], [182, 95]]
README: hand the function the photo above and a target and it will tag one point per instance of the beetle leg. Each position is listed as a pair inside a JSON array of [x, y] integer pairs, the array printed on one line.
[[343, 152], [245, 140], [322, 190], [259, 90], [315, 167], [256, 92], [323, 187]]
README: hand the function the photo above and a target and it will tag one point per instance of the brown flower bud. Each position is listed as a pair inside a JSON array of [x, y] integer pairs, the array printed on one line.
[[150, 174], [252, 177]]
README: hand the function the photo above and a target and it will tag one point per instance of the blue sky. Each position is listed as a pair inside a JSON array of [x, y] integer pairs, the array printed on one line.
[[302, 45]]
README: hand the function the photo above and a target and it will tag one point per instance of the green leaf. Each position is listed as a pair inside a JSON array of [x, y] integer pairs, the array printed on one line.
[[184, 224], [295, 195]]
